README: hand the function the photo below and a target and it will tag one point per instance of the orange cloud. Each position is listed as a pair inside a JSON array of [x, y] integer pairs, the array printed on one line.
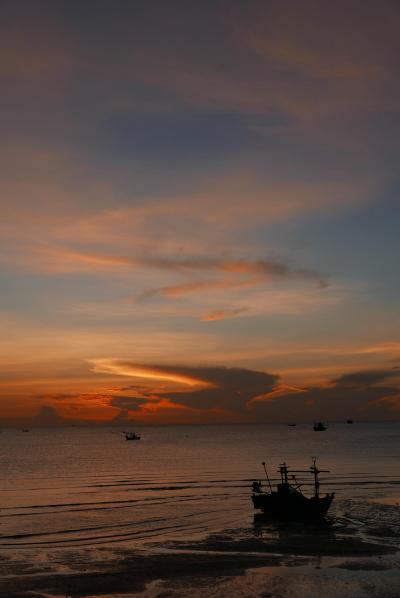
[[392, 401], [178, 290], [222, 314], [125, 368], [63, 258], [259, 271], [279, 391]]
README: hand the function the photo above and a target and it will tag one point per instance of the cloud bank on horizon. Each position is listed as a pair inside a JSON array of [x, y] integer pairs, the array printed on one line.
[[190, 183], [200, 394]]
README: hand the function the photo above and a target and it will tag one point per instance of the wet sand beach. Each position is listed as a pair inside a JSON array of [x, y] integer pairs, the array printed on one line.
[[194, 533], [341, 558]]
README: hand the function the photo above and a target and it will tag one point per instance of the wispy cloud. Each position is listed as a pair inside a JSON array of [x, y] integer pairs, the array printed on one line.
[[222, 314], [126, 368], [237, 274]]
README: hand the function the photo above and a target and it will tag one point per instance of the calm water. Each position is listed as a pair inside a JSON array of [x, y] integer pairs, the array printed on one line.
[[82, 487]]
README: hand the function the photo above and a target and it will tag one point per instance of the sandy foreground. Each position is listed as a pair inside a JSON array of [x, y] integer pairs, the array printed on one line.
[[356, 555]]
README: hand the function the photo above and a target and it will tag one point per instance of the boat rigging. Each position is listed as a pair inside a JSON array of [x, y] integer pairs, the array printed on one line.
[[288, 502]]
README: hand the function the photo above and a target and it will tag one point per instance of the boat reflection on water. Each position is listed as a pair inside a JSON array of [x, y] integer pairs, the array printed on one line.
[[269, 529], [303, 539]]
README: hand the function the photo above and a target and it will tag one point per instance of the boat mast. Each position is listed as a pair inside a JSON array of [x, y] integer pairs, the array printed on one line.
[[284, 473], [266, 473], [315, 471]]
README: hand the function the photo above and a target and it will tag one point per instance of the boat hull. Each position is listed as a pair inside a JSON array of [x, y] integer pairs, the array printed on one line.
[[292, 507]]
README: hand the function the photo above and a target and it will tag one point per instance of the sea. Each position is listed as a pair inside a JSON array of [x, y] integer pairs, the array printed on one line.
[[87, 487]]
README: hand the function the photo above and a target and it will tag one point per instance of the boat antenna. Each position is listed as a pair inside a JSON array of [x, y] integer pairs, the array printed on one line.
[[266, 473], [315, 471]]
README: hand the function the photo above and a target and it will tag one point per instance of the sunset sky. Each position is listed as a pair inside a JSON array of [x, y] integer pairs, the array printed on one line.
[[200, 211]]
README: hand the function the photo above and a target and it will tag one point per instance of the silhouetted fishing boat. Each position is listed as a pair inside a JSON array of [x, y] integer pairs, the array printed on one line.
[[288, 502], [291, 425], [132, 436], [319, 427], [349, 421]]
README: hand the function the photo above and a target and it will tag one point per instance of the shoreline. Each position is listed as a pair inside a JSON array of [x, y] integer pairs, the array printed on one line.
[[267, 559], [195, 573]]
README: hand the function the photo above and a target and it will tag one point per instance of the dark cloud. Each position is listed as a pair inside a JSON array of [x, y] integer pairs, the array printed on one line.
[[361, 380], [234, 387], [56, 396], [229, 389], [122, 417], [71, 396], [126, 404], [223, 394], [366, 395], [256, 396], [142, 390], [48, 416]]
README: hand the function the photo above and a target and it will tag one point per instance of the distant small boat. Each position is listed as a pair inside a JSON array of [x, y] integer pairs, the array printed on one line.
[[288, 502], [131, 436], [349, 421], [319, 427], [25, 430], [292, 425]]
